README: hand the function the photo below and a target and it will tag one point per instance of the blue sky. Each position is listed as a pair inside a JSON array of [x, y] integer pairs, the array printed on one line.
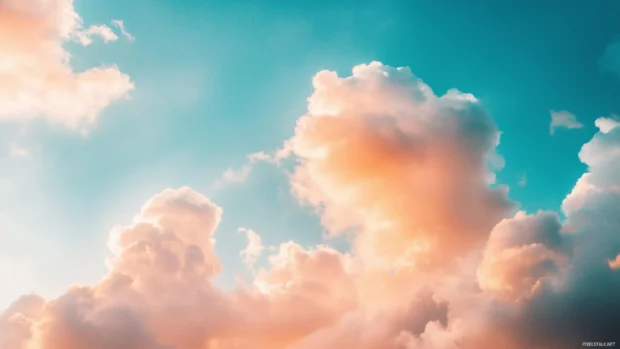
[[216, 81]]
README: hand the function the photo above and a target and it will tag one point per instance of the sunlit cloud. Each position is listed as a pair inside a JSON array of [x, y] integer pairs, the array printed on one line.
[[36, 76], [436, 259]]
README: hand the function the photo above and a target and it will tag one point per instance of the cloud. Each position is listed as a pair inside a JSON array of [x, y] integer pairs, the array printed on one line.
[[523, 254], [614, 263], [254, 249], [17, 151], [158, 292], [121, 26], [437, 258], [584, 306], [607, 124], [381, 154], [563, 119], [236, 176], [36, 78], [102, 31], [242, 173]]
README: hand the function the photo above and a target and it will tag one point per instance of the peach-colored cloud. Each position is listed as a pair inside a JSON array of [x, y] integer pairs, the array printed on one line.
[[381, 154], [560, 273], [405, 173], [522, 254], [614, 263], [158, 292], [36, 78]]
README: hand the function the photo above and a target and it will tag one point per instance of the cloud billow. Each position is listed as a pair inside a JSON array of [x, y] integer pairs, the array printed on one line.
[[438, 258]]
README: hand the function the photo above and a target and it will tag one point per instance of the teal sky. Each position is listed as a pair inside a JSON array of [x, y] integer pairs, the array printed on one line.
[[216, 81]]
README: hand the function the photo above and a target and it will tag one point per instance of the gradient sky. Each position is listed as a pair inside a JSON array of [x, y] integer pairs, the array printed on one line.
[[216, 81]]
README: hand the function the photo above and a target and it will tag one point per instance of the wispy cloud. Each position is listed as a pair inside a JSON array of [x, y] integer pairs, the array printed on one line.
[[239, 175], [17, 151], [121, 26], [563, 119], [522, 182]]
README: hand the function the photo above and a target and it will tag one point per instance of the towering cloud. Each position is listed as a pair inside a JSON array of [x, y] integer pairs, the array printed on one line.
[[381, 153], [566, 272], [36, 78], [437, 258]]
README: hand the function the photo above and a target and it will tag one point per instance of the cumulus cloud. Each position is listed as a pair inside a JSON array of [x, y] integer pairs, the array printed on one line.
[[103, 31], [615, 263], [36, 78], [380, 153], [584, 307], [522, 254], [158, 292], [563, 119], [607, 124], [437, 258]]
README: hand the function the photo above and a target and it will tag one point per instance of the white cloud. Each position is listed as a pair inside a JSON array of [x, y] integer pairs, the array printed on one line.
[[607, 124], [17, 151], [121, 26], [235, 176], [563, 119], [254, 248], [402, 172], [102, 31]]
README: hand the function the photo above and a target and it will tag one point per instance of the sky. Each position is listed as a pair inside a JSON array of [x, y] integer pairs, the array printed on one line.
[[255, 174]]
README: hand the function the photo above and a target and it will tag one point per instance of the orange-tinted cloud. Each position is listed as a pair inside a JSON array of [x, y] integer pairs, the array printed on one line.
[[158, 293], [522, 254], [406, 174], [36, 78], [380, 153]]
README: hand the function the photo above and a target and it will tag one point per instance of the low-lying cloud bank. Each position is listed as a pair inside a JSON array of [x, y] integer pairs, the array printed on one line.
[[438, 259]]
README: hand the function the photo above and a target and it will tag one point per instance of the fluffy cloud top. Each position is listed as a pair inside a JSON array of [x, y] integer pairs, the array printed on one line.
[[381, 153], [522, 254], [437, 259], [36, 78]]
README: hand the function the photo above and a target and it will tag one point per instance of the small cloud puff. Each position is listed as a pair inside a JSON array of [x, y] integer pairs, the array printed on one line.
[[563, 119]]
